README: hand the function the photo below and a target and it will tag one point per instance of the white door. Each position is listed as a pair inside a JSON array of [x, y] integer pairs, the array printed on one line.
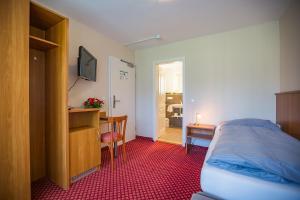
[[122, 93]]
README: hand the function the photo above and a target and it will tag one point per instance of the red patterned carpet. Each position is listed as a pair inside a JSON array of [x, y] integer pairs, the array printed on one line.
[[152, 171]]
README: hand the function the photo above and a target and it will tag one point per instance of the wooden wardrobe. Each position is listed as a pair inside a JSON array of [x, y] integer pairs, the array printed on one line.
[[33, 98]]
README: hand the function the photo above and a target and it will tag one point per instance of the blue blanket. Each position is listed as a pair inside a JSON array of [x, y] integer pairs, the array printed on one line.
[[257, 148]]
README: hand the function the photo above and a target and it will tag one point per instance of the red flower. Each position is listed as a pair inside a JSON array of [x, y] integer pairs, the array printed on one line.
[[91, 100], [93, 103]]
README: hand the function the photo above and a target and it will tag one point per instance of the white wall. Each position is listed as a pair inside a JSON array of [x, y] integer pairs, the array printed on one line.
[[170, 77], [101, 47], [228, 75], [290, 48]]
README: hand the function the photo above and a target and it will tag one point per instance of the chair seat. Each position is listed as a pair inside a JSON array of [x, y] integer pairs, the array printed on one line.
[[106, 137]]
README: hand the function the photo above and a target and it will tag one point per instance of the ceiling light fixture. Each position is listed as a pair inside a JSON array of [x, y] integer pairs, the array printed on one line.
[[155, 37]]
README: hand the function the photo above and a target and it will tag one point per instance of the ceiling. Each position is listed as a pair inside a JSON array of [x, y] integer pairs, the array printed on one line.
[[130, 20]]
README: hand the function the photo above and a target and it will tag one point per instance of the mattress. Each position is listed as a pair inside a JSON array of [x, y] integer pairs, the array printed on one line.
[[233, 186]]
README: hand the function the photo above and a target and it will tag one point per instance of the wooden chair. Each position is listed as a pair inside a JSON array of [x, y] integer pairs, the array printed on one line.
[[116, 132]]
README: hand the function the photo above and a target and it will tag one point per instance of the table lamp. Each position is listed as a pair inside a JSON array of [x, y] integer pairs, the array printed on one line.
[[198, 118]]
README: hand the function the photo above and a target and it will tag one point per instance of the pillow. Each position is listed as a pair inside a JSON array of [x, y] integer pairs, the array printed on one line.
[[252, 122]]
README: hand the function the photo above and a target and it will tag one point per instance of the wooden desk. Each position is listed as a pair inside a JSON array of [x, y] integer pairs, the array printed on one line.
[[85, 152], [198, 131]]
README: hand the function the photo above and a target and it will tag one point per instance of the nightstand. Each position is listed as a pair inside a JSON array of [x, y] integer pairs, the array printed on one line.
[[198, 131]]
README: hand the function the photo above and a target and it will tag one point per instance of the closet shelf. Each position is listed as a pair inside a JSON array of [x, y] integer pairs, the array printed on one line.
[[41, 44]]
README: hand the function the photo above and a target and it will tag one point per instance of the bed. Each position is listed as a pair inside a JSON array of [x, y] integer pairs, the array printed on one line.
[[227, 184], [233, 186]]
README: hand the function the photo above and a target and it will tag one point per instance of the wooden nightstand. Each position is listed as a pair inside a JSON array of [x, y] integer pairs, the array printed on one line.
[[198, 131]]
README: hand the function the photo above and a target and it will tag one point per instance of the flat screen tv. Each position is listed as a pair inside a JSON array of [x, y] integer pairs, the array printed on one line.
[[87, 65]]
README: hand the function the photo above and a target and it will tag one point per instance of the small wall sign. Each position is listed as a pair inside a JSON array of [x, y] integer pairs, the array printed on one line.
[[123, 75]]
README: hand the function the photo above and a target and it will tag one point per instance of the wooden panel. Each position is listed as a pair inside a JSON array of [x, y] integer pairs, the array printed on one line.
[[200, 131], [79, 119], [84, 150], [37, 113], [202, 126], [34, 31], [14, 101], [43, 18], [76, 110], [41, 44], [288, 112], [57, 137], [84, 145]]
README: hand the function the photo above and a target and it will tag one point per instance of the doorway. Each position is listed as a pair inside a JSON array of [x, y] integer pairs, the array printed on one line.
[[169, 101]]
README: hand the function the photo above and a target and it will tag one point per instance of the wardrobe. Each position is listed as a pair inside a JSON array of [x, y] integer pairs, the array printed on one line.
[[33, 98]]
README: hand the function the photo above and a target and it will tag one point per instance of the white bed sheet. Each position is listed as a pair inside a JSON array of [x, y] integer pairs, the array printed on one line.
[[234, 186]]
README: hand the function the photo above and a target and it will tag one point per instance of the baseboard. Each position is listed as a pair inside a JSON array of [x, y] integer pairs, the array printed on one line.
[[82, 175], [143, 137]]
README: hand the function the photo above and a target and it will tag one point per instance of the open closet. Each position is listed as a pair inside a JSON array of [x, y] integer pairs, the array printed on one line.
[[48, 114], [40, 137], [33, 88]]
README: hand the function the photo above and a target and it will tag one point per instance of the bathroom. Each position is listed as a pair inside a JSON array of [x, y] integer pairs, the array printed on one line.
[[170, 102]]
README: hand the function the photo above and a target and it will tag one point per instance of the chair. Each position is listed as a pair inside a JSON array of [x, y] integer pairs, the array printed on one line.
[[116, 132]]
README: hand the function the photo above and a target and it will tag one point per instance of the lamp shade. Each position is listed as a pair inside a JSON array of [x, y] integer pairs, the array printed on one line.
[[198, 118]]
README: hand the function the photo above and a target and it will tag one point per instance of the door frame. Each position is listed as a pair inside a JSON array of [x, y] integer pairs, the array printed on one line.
[[109, 103], [155, 96]]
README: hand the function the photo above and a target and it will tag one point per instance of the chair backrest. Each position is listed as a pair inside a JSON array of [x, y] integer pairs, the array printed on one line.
[[118, 124]]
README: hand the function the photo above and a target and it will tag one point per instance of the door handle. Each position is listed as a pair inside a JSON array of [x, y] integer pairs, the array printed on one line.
[[115, 101]]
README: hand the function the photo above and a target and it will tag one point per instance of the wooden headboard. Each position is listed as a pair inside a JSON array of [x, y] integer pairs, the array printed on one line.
[[288, 112]]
